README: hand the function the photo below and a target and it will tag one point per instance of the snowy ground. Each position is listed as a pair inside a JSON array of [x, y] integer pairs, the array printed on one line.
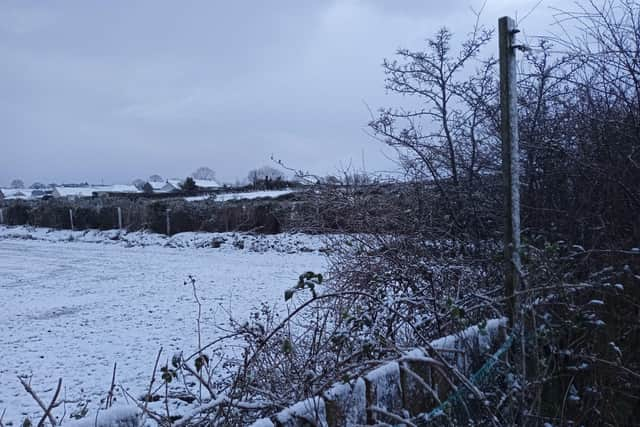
[[73, 303], [224, 197]]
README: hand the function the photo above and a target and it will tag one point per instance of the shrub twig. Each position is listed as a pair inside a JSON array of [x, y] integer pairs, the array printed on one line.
[[47, 409]]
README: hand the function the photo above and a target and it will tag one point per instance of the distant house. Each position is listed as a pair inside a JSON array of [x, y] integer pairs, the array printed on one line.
[[72, 192], [16, 193], [176, 184], [202, 184], [40, 193], [108, 190], [101, 190], [207, 184], [162, 187]]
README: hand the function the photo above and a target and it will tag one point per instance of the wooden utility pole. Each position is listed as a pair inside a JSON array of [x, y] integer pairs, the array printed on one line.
[[119, 218], [510, 162], [168, 222]]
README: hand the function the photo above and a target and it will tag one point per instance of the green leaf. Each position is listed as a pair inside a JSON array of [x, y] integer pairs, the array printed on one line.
[[287, 347], [167, 374], [201, 361], [175, 360], [288, 294]]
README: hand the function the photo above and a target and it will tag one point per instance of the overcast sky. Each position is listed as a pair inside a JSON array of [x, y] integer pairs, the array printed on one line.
[[109, 91]]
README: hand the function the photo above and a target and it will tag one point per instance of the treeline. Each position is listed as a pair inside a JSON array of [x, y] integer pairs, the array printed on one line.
[[160, 216], [579, 125], [345, 208], [304, 211]]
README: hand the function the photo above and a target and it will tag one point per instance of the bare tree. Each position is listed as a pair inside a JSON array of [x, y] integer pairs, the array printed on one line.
[[450, 137], [264, 173], [138, 183], [441, 132], [156, 178], [579, 124], [189, 185], [204, 173], [17, 183]]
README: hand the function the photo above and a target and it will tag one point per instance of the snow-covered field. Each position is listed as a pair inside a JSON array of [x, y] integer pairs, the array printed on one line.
[[224, 197], [73, 303]]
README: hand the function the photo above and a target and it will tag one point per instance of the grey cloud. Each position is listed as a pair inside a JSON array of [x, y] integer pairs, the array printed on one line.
[[116, 90]]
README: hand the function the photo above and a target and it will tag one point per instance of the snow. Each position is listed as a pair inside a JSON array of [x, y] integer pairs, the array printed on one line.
[[385, 381], [15, 193], [117, 416], [262, 422], [198, 198], [157, 185], [311, 409], [118, 188], [352, 397], [61, 191], [80, 301], [206, 183], [162, 187], [285, 242], [223, 197], [200, 183], [89, 191], [73, 191], [451, 342], [615, 348], [176, 183]]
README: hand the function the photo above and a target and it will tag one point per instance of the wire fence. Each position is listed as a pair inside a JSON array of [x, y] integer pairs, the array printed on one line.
[[460, 407]]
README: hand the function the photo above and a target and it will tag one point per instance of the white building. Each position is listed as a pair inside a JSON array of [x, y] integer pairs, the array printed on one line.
[[116, 188], [78, 192], [207, 184], [15, 193], [176, 184], [72, 192], [162, 187], [202, 184]]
